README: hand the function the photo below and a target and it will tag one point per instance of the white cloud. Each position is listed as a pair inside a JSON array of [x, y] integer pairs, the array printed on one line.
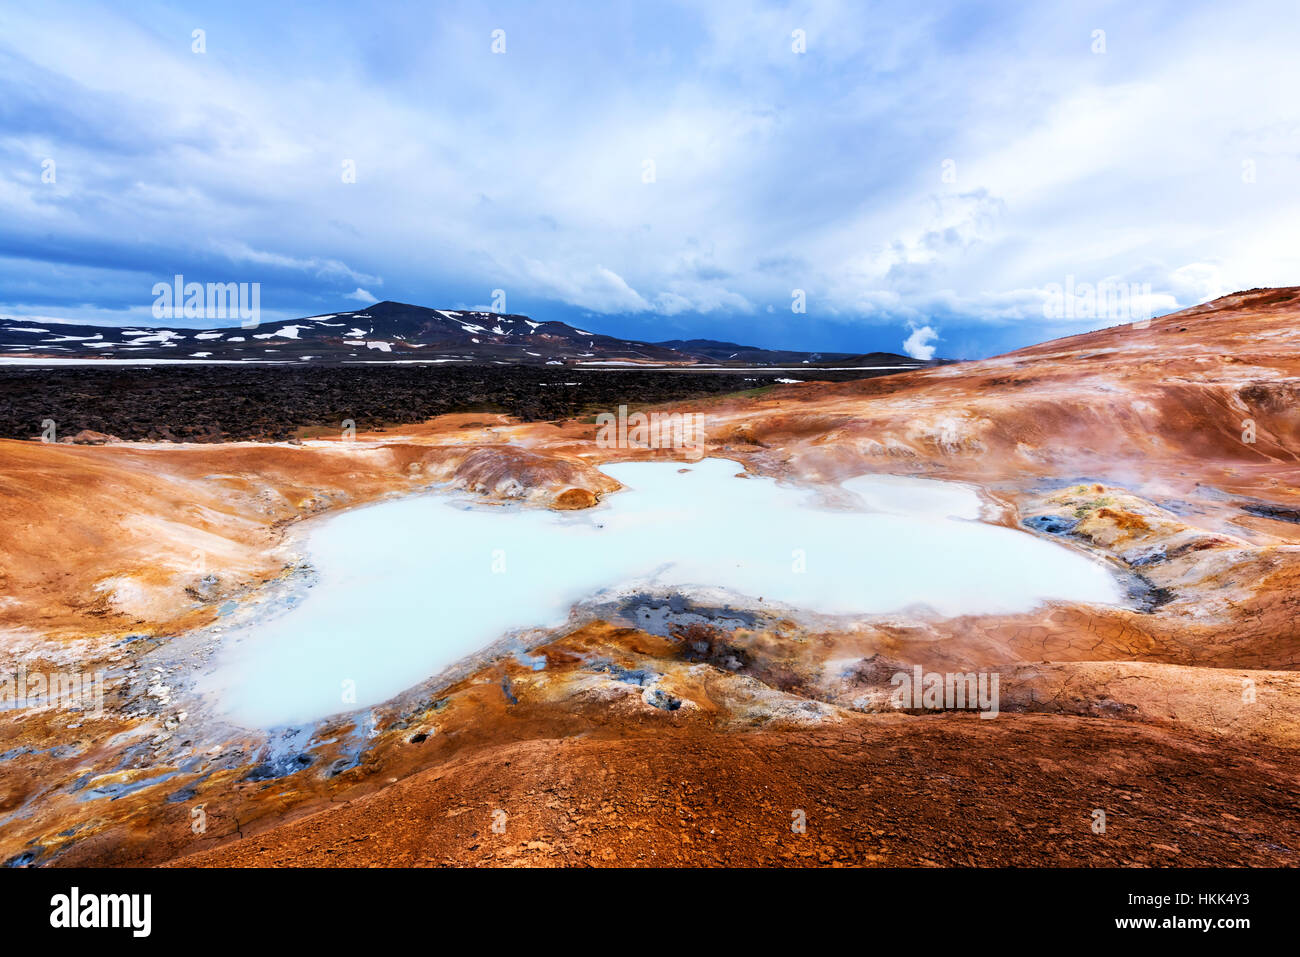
[[1198, 282], [670, 304], [361, 296], [920, 344], [323, 268], [597, 289], [703, 297]]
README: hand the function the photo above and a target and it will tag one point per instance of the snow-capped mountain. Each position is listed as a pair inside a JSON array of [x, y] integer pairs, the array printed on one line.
[[385, 332]]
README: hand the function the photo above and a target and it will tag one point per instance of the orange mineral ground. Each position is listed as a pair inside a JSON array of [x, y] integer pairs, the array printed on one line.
[[1169, 451]]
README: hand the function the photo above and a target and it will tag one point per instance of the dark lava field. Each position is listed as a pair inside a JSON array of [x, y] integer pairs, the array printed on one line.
[[211, 403]]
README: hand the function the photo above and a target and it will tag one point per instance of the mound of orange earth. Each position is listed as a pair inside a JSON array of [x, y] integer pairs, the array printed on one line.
[[145, 538], [1167, 451], [884, 792], [1205, 396]]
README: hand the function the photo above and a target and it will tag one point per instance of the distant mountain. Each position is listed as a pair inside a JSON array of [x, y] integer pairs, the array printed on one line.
[[734, 352], [395, 331]]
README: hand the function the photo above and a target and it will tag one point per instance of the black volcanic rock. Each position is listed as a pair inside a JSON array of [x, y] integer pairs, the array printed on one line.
[[199, 402]]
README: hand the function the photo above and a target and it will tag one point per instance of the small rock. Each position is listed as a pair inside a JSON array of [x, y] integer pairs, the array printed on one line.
[[90, 437], [660, 699]]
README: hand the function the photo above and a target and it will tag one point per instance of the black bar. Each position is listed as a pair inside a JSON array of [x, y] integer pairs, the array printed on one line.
[[921, 908]]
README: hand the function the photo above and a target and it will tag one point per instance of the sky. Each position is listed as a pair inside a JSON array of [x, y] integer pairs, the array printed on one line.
[[849, 176]]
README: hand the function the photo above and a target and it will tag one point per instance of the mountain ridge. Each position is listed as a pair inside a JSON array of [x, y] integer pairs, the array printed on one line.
[[396, 331]]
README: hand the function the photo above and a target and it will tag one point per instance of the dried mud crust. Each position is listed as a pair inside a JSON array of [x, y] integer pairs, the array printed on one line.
[[269, 403]]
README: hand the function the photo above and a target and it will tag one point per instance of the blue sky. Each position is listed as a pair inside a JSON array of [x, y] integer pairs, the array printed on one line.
[[924, 172]]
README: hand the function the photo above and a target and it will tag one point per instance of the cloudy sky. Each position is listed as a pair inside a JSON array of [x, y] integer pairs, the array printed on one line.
[[922, 172]]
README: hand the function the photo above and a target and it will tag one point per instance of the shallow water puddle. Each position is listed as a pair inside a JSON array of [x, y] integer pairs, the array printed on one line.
[[409, 587]]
